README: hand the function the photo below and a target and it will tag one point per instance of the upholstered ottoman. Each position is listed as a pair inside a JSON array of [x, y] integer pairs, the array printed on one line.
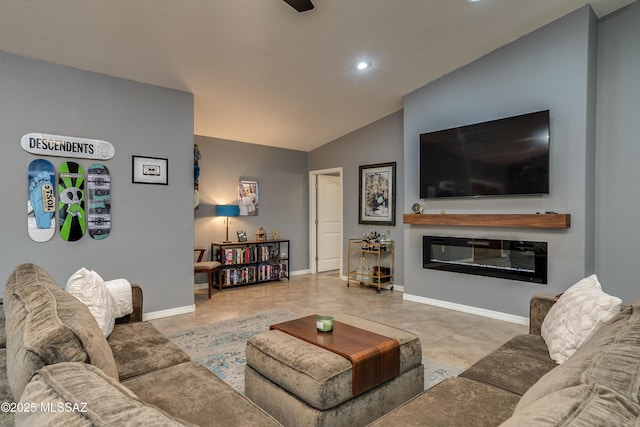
[[302, 384]]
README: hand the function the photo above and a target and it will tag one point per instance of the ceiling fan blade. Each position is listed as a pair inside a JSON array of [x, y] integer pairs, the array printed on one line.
[[300, 5]]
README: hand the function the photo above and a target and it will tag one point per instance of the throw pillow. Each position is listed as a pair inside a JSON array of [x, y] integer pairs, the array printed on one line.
[[89, 288], [579, 312], [120, 291], [580, 405]]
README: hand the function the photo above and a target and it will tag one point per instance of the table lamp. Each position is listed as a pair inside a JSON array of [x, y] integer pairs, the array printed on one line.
[[227, 211]]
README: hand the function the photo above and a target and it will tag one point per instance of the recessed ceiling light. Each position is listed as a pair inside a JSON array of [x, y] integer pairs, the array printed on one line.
[[363, 65], [473, 1]]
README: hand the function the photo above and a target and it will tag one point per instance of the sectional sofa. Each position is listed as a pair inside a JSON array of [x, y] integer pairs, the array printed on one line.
[[520, 385], [58, 369]]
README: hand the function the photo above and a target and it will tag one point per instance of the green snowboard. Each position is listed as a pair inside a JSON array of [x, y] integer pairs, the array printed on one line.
[[71, 214], [98, 201]]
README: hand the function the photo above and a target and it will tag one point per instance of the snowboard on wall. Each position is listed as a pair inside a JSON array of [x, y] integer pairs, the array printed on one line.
[[41, 200], [98, 201], [71, 215]]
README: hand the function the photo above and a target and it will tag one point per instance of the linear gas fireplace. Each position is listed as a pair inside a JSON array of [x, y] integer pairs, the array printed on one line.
[[506, 259]]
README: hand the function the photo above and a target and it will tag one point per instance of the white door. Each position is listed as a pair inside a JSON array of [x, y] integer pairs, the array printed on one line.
[[329, 209]]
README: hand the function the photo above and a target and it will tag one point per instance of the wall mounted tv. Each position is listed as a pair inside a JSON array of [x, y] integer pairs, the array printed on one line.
[[504, 157]]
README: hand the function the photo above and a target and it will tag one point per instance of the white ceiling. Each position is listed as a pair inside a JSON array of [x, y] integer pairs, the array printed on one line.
[[263, 73]]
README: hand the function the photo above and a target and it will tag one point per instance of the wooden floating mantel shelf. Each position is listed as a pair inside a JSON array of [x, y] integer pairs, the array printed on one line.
[[491, 220]]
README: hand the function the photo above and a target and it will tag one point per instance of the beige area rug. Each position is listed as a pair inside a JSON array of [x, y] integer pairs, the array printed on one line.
[[221, 347]]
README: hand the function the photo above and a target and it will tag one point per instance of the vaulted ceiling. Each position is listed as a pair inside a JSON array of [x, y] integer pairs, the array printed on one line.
[[263, 73]]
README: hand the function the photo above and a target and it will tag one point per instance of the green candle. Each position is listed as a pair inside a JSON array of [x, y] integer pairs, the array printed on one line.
[[324, 323]]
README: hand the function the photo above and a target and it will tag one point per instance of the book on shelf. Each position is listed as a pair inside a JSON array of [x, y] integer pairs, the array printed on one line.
[[232, 256], [240, 275], [272, 271]]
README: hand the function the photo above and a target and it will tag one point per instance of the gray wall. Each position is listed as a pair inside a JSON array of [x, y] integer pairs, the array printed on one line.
[[594, 175], [379, 142], [152, 229], [618, 152], [551, 68], [283, 186]]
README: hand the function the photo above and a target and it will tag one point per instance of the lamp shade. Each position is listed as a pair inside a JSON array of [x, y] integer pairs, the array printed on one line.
[[227, 210]]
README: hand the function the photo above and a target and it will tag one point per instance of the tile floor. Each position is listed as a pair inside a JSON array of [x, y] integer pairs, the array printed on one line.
[[456, 338]]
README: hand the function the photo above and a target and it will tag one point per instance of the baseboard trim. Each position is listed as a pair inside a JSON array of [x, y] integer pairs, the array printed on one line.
[[520, 320], [299, 272], [169, 312]]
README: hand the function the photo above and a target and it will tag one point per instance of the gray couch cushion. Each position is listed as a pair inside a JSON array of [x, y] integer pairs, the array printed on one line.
[[6, 418], [582, 405], [139, 348], [515, 366], [609, 358], [46, 325], [454, 402], [198, 396], [64, 388], [317, 376]]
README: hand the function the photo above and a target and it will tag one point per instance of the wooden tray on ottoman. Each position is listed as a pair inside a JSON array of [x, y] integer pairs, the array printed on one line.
[[302, 384], [375, 358]]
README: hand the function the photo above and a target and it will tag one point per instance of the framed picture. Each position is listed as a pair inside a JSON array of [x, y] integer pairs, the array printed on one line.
[[150, 170], [248, 197], [242, 236], [377, 201]]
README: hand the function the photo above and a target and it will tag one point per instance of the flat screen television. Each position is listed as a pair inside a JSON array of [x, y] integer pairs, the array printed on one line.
[[504, 157]]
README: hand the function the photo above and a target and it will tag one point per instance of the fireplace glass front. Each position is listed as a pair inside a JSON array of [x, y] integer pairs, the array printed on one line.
[[506, 259]]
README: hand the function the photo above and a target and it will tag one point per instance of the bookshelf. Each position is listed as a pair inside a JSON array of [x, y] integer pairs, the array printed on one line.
[[250, 263]]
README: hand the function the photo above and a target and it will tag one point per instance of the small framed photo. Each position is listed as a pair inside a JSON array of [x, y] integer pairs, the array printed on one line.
[[150, 170], [248, 198], [242, 236], [377, 201]]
